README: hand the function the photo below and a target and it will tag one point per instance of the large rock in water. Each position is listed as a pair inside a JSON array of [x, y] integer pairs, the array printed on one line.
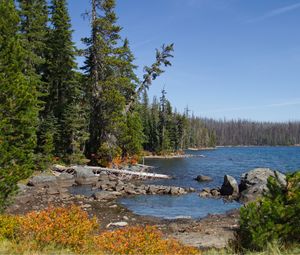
[[229, 187], [254, 183]]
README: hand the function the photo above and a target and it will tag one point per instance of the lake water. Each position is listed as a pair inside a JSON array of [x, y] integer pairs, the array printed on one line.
[[216, 163]]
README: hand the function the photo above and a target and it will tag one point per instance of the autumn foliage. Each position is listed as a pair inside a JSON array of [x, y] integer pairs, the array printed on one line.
[[71, 228], [59, 226], [140, 240]]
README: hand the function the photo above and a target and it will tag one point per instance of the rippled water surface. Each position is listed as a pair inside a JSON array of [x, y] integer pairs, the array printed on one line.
[[216, 163]]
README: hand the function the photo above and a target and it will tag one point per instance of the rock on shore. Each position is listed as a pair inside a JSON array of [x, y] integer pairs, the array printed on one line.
[[252, 185]]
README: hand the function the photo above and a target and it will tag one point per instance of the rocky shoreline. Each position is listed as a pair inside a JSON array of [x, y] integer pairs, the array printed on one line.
[[43, 191]]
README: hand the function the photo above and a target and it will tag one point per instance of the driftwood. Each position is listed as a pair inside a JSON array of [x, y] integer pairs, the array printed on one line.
[[59, 169], [127, 172]]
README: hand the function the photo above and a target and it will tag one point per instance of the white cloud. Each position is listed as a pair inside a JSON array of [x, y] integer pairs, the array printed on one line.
[[275, 12]]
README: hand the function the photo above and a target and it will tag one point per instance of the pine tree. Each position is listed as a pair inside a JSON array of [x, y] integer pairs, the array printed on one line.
[[163, 118], [154, 141], [111, 83], [114, 89], [64, 102], [144, 112], [18, 103], [34, 18]]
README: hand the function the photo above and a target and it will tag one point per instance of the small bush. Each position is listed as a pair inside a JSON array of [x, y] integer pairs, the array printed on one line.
[[140, 240], [274, 218]]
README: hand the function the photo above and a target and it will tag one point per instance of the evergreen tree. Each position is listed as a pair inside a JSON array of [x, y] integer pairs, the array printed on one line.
[[18, 103], [64, 103], [144, 111], [34, 18], [102, 67], [163, 118], [112, 83], [154, 141]]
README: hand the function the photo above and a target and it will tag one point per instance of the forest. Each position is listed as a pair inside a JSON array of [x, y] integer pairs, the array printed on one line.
[[55, 111]]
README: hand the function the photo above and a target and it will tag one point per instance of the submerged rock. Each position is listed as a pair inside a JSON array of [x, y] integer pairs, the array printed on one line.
[[203, 178]]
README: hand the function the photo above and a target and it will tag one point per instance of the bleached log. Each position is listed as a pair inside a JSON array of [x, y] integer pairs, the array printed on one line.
[[126, 172]]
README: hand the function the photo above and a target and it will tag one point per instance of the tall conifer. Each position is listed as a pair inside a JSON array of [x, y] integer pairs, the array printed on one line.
[[64, 101], [18, 103], [110, 74], [34, 18]]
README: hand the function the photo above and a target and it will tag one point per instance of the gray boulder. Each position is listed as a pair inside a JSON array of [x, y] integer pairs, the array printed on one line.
[[254, 183], [177, 191], [44, 181], [65, 180], [22, 188], [229, 187], [85, 176], [253, 193], [204, 193], [105, 195], [203, 178], [215, 192], [103, 177]]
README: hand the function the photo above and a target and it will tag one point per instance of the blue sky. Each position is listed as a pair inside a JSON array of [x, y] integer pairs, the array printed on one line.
[[233, 58]]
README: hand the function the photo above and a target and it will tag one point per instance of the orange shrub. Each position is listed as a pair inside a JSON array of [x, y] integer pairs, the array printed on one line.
[[67, 227], [71, 228], [140, 240], [117, 161], [134, 160]]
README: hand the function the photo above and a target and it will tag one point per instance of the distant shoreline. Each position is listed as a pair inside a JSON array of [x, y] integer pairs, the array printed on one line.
[[201, 149], [173, 156], [245, 146]]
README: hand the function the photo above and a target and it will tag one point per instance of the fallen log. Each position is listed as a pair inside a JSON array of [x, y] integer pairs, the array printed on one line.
[[126, 172], [58, 169]]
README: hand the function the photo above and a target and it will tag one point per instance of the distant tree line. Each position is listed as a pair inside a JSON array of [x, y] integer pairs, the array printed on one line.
[[244, 132], [166, 130]]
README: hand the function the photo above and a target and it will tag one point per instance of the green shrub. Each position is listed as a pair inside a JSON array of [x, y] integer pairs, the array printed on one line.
[[273, 218]]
